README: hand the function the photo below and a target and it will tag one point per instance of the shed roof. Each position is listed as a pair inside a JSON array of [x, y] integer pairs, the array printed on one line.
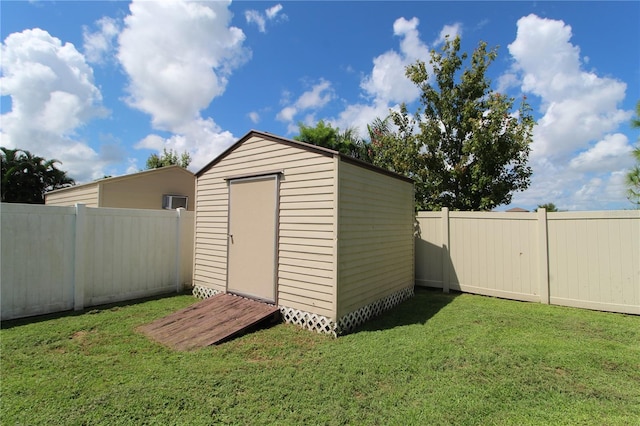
[[304, 145], [125, 177]]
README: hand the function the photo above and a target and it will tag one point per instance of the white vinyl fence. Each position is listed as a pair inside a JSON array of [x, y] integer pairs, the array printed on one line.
[[60, 258], [584, 259]]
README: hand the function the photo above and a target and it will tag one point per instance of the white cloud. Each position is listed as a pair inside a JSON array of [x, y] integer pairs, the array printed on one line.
[[403, 26], [449, 30], [572, 189], [260, 19], [387, 85], [544, 53], [255, 17], [359, 116], [178, 57], [202, 138], [98, 44], [387, 81], [52, 95], [574, 141], [287, 113], [578, 106], [133, 166], [254, 117], [411, 47], [384, 87], [314, 99], [611, 153], [616, 187], [273, 11], [153, 142], [589, 190], [507, 81]]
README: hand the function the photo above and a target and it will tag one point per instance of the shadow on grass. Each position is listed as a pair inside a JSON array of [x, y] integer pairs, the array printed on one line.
[[425, 304], [6, 324]]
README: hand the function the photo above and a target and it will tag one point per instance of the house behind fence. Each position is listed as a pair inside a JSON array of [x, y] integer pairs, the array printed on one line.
[[167, 187]]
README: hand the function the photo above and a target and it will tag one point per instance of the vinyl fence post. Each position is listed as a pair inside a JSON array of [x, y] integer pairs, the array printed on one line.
[[543, 256], [446, 255], [79, 258], [179, 251]]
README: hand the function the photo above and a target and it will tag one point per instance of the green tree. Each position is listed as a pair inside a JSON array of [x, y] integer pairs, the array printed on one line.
[[26, 177], [395, 147], [168, 158], [346, 142], [633, 176], [470, 146], [549, 207]]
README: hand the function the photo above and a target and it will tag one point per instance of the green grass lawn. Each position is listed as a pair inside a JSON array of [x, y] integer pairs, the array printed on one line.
[[435, 359]]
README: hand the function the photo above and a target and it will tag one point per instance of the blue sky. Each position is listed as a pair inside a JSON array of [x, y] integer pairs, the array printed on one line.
[[102, 85]]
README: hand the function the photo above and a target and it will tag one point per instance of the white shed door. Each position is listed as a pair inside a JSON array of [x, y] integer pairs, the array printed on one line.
[[251, 263]]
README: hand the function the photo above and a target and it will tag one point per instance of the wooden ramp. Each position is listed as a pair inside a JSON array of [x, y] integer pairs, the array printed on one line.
[[208, 322]]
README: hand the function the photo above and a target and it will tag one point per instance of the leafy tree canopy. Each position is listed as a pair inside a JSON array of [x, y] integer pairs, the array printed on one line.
[[633, 176], [26, 177], [549, 207], [346, 142], [168, 158], [465, 147]]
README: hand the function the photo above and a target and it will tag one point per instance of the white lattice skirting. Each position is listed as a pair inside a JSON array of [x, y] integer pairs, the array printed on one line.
[[322, 324], [204, 292], [350, 321], [313, 322], [347, 323]]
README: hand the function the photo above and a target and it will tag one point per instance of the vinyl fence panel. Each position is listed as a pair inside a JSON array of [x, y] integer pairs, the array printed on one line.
[[128, 254], [585, 259], [36, 259], [430, 247], [60, 258], [186, 242], [493, 254], [594, 260]]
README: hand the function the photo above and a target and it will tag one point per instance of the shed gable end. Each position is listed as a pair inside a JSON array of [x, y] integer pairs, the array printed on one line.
[[306, 265]]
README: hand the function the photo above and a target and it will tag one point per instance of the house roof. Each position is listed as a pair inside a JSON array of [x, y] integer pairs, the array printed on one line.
[[304, 145], [518, 210], [126, 177]]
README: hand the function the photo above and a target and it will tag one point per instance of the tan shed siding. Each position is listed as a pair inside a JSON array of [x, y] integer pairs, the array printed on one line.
[[84, 194], [306, 237], [375, 237]]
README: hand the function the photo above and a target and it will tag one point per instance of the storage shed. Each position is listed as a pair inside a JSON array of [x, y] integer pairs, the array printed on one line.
[[167, 187], [325, 237]]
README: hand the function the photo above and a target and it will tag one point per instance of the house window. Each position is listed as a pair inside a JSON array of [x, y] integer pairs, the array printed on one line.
[[171, 202]]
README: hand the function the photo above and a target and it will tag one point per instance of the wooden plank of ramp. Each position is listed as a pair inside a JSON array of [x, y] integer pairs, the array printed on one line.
[[208, 322]]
